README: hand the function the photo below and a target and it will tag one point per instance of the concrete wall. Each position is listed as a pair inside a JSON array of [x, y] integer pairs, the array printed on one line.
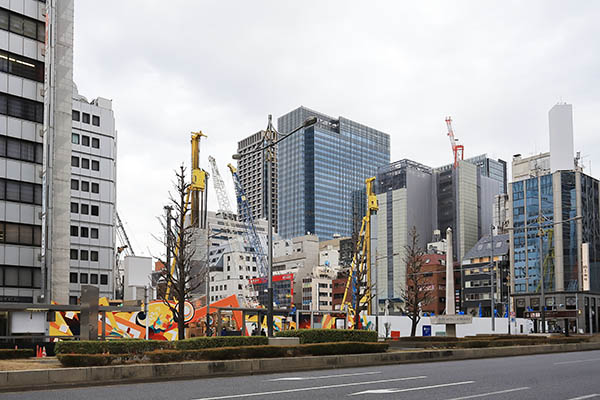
[[479, 326]]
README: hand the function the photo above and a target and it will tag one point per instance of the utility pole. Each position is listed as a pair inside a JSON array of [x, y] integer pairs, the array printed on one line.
[[541, 251], [492, 274], [168, 210], [269, 155]]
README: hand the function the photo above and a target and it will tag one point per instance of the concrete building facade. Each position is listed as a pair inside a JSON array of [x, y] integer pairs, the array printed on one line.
[[319, 168], [22, 71], [93, 196], [414, 195], [253, 177]]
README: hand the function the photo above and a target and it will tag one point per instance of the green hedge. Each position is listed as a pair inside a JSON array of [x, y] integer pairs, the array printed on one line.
[[330, 335], [220, 341], [7, 354], [117, 346], [245, 352], [223, 353], [87, 360]]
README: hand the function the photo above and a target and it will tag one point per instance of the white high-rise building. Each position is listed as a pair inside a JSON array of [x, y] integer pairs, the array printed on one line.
[[22, 35], [561, 137], [93, 196]]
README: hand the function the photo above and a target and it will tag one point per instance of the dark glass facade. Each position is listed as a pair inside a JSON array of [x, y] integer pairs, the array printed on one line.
[[320, 167]]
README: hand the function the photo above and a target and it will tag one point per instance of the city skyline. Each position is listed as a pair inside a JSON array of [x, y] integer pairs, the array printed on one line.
[[405, 74]]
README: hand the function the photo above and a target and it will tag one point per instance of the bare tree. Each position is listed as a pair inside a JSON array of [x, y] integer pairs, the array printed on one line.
[[181, 278], [418, 291]]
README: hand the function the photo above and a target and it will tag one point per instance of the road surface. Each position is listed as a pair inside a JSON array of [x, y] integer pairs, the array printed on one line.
[[572, 376]]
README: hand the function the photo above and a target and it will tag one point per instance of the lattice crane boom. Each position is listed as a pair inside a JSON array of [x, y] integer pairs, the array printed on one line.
[[123, 238], [457, 149], [219, 184], [250, 232]]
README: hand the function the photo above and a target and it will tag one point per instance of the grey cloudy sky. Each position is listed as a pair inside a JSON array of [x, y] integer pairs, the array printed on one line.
[[222, 66]]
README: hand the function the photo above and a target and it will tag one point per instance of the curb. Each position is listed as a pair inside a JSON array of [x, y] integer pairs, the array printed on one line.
[[118, 374]]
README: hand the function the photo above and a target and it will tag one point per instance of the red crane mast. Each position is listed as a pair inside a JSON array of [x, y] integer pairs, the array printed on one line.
[[457, 149]]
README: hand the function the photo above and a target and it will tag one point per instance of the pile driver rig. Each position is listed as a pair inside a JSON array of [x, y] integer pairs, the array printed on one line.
[[359, 291]]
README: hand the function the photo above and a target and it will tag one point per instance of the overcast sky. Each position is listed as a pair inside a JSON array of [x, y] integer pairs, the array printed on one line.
[[171, 67]]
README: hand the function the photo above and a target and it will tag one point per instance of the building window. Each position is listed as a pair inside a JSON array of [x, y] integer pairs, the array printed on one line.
[[74, 230], [74, 184], [21, 66], [104, 279], [95, 165], [73, 300], [95, 188], [22, 192], [23, 150], [95, 120], [85, 118], [74, 254], [75, 208], [83, 232], [85, 140], [85, 163], [73, 277], [93, 255], [95, 143], [74, 138], [84, 255], [75, 117], [94, 233], [85, 209], [74, 161], [22, 25], [83, 278], [95, 211], [94, 279], [85, 186], [20, 107]]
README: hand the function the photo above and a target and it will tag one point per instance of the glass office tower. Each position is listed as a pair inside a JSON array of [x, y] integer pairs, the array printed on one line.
[[320, 167]]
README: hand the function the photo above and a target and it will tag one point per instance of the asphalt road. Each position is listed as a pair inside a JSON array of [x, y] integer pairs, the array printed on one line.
[[571, 376]]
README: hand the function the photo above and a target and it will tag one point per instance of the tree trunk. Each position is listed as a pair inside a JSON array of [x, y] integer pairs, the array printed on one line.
[[413, 328]]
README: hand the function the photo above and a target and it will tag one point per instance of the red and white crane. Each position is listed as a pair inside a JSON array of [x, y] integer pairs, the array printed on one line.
[[457, 149]]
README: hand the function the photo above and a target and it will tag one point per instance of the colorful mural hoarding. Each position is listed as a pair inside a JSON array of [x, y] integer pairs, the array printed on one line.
[[132, 325]]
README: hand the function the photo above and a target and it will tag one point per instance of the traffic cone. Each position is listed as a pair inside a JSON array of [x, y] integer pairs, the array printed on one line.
[[44, 352]]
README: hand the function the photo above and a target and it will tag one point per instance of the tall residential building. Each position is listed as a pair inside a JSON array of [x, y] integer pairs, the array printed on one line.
[[319, 168], [414, 195], [253, 177], [22, 35], [93, 196]]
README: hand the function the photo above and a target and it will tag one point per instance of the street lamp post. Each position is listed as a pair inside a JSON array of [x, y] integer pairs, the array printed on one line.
[[492, 280], [268, 147]]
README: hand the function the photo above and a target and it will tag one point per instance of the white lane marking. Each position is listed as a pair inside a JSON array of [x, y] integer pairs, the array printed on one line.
[[303, 378], [490, 393], [233, 396], [576, 361], [589, 396], [381, 391]]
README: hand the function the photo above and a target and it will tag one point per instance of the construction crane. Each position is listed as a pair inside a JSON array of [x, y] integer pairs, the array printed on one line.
[[457, 149], [196, 195], [224, 205], [123, 238], [355, 299], [250, 232]]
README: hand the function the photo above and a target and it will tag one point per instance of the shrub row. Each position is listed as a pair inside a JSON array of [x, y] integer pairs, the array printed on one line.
[[220, 341], [139, 346], [223, 353], [7, 354], [244, 352], [481, 343], [330, 335], [117, 346]]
